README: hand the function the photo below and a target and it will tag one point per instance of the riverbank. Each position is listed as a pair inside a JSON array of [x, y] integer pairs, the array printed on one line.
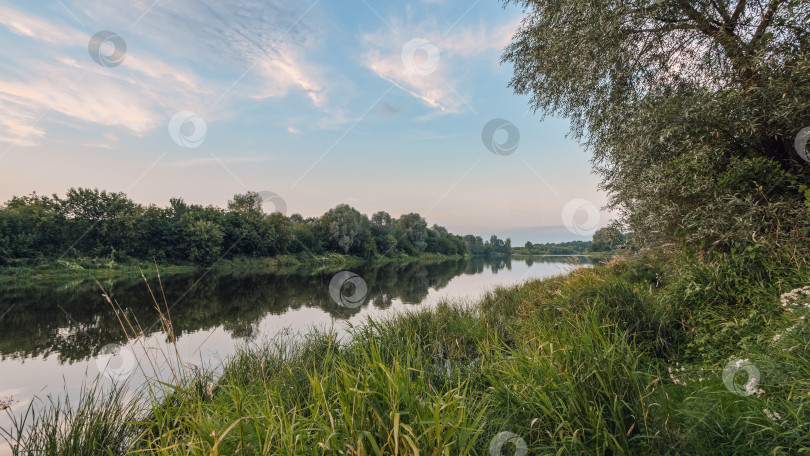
[[103, 268], [592, 255], [651, 354]]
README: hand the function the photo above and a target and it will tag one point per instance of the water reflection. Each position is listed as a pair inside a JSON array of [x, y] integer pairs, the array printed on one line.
[[72, 321]]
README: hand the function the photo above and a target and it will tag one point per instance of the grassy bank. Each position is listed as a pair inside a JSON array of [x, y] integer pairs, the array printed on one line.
[[653, 354], [97, 268]]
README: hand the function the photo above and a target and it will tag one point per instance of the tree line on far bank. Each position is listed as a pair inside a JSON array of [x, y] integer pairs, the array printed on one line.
[[604, 239], [99, 224]]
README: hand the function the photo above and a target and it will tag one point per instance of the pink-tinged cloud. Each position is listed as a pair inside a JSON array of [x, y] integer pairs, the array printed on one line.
[[455, 52]]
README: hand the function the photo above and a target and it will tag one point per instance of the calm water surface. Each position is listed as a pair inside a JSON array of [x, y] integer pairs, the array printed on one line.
[[52, 334]]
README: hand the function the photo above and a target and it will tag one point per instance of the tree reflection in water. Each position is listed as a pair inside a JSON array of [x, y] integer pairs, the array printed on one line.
[[73, 321]]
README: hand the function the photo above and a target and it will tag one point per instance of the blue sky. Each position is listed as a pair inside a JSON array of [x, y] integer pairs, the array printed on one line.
[[377, 104]]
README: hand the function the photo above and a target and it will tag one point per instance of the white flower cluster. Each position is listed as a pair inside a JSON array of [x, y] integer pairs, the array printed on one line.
[[682, 380], [772, 416], [751, 385], [791, 299], [676, 380], [751, 388]]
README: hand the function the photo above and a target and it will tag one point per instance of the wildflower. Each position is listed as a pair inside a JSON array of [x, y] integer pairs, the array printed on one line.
[[772, 416]]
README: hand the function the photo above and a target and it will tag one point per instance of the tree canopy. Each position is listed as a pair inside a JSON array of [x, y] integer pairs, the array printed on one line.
[[90, 223], [690, 108]]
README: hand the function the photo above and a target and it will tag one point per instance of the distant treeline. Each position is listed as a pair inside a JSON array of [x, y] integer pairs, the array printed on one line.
[[605, 239], [98, 224], [560, 248]]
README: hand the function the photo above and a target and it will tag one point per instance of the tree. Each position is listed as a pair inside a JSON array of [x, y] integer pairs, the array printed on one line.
[[99, 222], [606, 239], [690, 107], [340, 227], [382, 229], [382, 221], [277, 231], [365, 246], [205, 242], [248, 203], [386, 245], [475, 245], [415, 229], [304, 240]]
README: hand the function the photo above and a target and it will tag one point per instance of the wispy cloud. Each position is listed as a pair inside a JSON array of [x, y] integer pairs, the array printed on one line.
[[268, 38], [457, 51], [25, 24], [181, 55]]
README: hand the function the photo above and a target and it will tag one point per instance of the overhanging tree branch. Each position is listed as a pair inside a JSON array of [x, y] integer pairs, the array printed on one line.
[[764, 23]]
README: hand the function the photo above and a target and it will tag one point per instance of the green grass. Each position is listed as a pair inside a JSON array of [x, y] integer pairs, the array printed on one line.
[[623, 358], [101, 422]]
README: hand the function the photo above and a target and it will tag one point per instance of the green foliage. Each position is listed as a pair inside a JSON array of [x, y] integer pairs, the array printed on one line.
[[493, 247], [415, 229], [37, 230], [340, 228], [607, 239], [248, 203], [690, 108], [555, 248], [205, 242]]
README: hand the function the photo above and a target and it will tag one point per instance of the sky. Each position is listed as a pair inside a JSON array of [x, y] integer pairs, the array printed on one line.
[[396, 106]]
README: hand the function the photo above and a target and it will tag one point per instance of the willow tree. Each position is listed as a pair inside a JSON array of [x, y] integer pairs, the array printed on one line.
[[690, 108]]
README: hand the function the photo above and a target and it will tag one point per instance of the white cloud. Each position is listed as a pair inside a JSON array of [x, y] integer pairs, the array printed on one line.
[[457, 52], [263, 43], [24, 24], [181, 55], [87, 92]]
